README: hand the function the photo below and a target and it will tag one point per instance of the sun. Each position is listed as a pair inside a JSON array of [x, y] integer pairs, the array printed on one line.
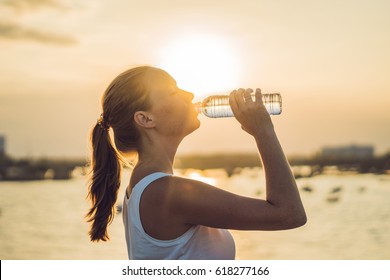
[[202, 64]]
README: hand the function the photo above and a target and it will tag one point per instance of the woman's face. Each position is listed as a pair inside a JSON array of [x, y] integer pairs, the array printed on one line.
[[171, 107]]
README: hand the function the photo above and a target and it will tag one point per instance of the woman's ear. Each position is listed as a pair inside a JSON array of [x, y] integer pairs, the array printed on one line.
[[144, 119]]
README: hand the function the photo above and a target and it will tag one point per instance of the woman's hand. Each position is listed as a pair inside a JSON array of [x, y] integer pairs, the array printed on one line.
[[252, 114]]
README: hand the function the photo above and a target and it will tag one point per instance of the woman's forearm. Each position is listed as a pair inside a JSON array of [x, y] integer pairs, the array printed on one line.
[[281, 188]]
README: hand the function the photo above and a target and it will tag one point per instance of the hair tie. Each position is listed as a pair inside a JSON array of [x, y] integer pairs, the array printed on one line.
[[103, 123]]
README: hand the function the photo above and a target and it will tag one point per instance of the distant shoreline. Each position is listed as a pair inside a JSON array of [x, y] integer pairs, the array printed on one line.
[[41, 169]]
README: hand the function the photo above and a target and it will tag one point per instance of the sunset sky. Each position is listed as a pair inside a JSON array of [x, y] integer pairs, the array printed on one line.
[[329, 59]]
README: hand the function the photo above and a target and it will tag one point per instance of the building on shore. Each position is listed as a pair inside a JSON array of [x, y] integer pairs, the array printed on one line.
[[348, 152]]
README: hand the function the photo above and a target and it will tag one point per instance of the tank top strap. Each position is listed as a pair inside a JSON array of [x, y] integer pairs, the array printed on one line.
[[139, 188]]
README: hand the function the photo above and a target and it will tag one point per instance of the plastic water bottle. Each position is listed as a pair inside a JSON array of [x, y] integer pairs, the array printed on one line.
[[217, 106]]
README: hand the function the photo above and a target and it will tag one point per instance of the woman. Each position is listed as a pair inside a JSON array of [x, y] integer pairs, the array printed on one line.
[[169, 217]]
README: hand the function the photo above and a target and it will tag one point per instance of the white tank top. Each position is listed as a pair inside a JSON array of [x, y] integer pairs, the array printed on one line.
[[198, 243]]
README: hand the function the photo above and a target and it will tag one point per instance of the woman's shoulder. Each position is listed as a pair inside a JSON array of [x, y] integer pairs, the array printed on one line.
[[184, 182], [176, 189], [172, 182], [162, 186]]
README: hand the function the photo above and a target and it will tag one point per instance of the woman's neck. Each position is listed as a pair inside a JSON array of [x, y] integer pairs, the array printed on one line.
[[157, 157]]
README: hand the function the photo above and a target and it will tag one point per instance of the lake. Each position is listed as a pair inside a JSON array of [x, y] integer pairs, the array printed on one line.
[[348, 218]]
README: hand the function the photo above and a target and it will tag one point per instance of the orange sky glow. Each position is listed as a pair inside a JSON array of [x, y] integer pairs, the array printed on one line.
[[330, 60]]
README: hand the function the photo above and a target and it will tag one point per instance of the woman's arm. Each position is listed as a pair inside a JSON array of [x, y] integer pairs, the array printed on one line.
[[194, 202], [281, 189]]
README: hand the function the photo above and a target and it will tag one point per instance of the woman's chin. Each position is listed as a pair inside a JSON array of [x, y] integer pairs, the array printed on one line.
[[196, 125]]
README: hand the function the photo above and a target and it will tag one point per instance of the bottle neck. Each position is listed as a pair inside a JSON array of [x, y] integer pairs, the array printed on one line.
[[198, 106]]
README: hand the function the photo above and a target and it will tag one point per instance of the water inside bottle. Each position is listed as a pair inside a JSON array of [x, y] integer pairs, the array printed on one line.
[[273, 103], [217, 107]]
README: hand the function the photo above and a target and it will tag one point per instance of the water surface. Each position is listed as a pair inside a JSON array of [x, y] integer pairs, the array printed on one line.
[[348, 218]]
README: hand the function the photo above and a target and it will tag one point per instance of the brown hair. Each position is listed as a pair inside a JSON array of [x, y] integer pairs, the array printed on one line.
[[125, 95]]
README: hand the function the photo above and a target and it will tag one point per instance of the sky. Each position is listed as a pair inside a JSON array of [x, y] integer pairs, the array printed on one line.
[[330, 61]]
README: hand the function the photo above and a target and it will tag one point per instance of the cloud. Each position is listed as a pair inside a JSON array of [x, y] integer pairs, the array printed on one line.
[[28, 5], [13, 31]]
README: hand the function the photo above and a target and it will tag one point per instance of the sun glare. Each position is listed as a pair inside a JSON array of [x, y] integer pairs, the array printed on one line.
[[202, 64], [197, 175]]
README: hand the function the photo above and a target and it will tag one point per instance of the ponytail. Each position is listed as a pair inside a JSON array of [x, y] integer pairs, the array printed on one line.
[[104, 183], [125, 95]]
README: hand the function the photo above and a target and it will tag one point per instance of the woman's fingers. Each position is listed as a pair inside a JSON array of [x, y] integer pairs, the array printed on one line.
[[233, 102], [238, 96], [247, 95], [243, 96], [240, 99], [258, 95]]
